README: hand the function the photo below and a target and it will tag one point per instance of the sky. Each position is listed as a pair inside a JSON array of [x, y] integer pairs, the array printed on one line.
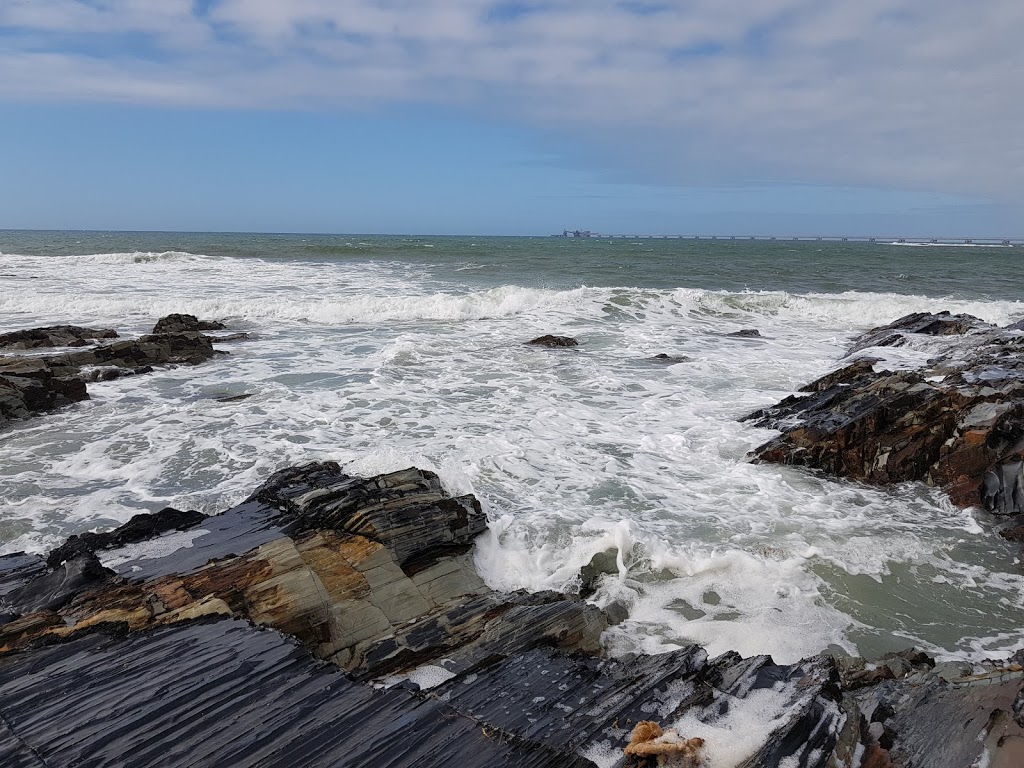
[[816, 117]]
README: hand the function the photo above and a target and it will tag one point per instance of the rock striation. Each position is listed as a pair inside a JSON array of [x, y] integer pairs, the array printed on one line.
[[30, 385], [336, 620], [956, 423]]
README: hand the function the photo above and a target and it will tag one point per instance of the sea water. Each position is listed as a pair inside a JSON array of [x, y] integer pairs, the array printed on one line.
[[386, 352]]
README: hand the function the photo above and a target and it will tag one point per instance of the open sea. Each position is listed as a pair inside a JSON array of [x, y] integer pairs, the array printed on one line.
[[384, 352]]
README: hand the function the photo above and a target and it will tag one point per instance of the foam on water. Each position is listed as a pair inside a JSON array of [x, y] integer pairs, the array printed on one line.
[[574, 452]]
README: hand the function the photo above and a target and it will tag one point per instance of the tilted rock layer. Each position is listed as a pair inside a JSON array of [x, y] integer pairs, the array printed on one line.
[[127, 663], [957, 423]]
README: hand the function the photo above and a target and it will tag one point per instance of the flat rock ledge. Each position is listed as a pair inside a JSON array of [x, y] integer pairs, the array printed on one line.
[[333, 620], [956, 423], [32, 384]]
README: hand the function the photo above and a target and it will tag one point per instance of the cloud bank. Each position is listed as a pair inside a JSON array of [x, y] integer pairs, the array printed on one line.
[[899, 93]]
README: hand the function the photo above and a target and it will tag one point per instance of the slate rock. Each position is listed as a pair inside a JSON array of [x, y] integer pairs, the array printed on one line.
[[177, 323], [958, 423], [140, 527]]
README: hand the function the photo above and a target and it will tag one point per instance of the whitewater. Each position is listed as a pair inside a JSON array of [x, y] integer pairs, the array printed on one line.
[[382, 353]]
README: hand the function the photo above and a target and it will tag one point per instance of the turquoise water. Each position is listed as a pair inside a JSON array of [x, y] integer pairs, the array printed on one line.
[[385, 352]]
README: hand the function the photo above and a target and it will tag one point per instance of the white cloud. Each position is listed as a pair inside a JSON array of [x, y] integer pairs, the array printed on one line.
[[887, 92]]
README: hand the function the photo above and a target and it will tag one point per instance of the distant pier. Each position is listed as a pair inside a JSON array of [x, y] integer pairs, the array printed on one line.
[[884, 239]]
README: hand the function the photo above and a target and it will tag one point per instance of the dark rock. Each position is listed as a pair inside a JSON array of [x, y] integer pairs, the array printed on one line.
[[957, 424], [178, 323], [937, 324], [54, 336], [1014, 532], [746, 333], [32, 385], [663, 358], [601, 564], [225, 693], [233, 398], [55, 589], [932, 723], [554, 341], [140, 527], [372, 574], [233, 337]]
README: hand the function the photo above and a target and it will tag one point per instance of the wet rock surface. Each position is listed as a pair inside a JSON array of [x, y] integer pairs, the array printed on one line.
[[178, 323], [957, 423], [206, 645], [30, 385], [54, 336], [553, 341]]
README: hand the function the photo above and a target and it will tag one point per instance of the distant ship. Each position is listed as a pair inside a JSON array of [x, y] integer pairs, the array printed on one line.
[[575, 233]]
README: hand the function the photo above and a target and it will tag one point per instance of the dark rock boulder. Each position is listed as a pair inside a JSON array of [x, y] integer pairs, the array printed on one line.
[[746, 333], [177, 323], [54, 336], [554, 341], [31, 385], [672, 359]]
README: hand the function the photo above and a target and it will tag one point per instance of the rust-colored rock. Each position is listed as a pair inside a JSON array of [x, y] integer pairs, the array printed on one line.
[[957, 424]]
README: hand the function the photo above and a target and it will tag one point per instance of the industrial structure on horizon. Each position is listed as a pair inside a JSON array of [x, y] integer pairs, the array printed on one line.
[[895, 240]]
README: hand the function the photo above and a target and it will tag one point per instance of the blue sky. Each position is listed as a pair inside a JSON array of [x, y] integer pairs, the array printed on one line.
[[466, 116]]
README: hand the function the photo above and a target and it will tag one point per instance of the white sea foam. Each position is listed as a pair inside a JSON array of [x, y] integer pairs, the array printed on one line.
[[573, 452]]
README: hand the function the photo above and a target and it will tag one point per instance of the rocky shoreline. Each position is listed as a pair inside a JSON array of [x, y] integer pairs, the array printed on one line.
[[338, 620], [31, 384]]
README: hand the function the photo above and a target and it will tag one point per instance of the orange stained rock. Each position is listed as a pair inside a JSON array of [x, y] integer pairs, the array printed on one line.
[[648, 740]]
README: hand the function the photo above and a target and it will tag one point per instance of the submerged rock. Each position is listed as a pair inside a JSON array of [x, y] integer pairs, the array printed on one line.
[[958, 423], [554, 341], [746, 333]]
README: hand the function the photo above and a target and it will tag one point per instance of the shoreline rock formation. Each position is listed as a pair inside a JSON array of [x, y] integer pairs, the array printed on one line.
[[374, 576], [956, 423], [337, 620], [351, 607], [34, 384]]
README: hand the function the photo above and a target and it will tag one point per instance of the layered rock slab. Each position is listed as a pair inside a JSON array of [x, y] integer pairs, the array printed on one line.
[[374, 575], [224, 693], [957, 423]]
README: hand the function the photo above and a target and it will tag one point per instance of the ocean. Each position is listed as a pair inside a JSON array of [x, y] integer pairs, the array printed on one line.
[[385, 352]]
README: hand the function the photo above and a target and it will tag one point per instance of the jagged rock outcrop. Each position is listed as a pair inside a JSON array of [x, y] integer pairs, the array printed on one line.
[[146, 643], [915, 714], [54, 336], [957, 423], [178, 323], [32, 385]]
